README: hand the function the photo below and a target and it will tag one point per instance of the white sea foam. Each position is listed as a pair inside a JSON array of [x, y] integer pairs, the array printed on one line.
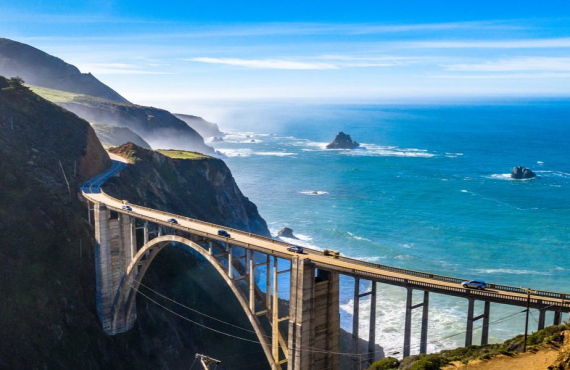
[[453, 155], [354, 236], [540, 162], [241, 152], [464, 191], [501, 176], [373, 150], [302, 239], [313, 192], [512, 272], [275, 154], [552, 173]]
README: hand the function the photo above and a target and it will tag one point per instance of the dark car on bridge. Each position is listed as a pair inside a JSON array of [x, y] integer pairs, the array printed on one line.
[[172, 221], [223, 233], [474, 284], [296, 249], [127, 208]]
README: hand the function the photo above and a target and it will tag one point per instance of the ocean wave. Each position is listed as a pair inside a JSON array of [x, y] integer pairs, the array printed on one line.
[[275, 154], [373, 150], [511, 272], [354, 236], [313, 192], [501, 176], [553, 173], [453, 155]]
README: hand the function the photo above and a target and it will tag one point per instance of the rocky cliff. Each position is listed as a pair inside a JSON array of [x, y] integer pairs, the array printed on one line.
[[204, 128], [115, 136], [39, 68], [185, 183]]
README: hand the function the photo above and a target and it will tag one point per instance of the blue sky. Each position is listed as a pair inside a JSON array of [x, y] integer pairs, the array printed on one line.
[[173, 52]]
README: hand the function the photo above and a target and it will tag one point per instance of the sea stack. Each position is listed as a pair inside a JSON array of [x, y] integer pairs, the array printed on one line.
[[521, 173], [343, 141], [287, 233]]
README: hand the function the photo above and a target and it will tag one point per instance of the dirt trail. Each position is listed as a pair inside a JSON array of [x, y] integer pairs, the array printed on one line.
[[540, 360]]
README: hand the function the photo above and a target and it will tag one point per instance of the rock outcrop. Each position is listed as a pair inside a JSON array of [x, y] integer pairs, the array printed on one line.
[[199, 186], [521, 173], [203, 127], [343, 141], [286, 232]]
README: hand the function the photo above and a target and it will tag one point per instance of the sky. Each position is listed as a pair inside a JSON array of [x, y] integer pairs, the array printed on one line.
[[171, 53]]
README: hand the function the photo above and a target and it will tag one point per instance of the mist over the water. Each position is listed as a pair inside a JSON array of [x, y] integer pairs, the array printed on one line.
[[429, 191]]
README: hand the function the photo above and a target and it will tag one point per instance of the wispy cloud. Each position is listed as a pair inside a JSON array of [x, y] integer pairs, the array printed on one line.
[[546, 64], [563, 42], [118, 69], [503, 76], [265, 63], [323, 62]]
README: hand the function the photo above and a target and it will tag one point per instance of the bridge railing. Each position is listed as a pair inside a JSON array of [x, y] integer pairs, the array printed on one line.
[[542, 293]]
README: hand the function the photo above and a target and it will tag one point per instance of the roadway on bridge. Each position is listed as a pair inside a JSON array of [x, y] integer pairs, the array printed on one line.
[[91, 191]]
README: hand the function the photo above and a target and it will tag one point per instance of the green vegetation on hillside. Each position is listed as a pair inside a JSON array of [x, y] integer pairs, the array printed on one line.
[[182, 154], [434, 361], [60, 96]]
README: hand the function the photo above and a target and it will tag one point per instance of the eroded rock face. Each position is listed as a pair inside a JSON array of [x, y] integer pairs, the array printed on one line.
[[343, 141], [520, 173], [287, 232]]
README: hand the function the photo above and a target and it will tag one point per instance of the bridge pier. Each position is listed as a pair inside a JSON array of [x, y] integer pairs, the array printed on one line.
[[314, 320], [471, 319], [115, 248], [541, 317], [408, 322], [557, 320]]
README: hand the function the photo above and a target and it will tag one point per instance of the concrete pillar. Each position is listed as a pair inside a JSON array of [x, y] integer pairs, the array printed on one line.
[[230, 262], [485, 331], [103, 271], [541, 318], [372, 328], [268, 283], [469, 331], [251, 263], [424, 330], [408, 322], [557, 318], [314, 320], [210, 247], [274, 314], [145, 232], [301, 313], [355, 318]]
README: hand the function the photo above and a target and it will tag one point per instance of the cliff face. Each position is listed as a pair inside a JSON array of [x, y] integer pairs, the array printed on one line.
[[39, 68], [199, 186], [157, 127], [204, 128], [115, 136], [47, 276]]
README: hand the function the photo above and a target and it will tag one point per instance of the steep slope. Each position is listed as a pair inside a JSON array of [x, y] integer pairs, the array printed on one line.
[[115, 136], [199, 186], [157, 127], [203, 127], [39, 68]]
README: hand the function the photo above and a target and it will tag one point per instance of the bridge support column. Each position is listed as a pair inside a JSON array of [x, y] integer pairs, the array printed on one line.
[[408, 322], [485, 331], [372, 327], [145, 233], [425, 313], [469, 331], [355, 319], [541, 318], [557, 318], [314, 319]]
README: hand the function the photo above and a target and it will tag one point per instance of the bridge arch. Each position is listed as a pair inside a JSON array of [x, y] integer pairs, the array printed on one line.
[[125, 298]]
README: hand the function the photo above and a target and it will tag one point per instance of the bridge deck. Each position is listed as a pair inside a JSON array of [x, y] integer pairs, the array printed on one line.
[[387, 274]]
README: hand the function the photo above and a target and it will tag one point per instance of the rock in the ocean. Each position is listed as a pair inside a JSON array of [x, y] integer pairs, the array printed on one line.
[[520, 172], [286, 232], [343, 141]]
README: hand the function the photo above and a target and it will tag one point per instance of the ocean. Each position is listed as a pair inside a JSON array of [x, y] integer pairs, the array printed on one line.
[[429, 190]]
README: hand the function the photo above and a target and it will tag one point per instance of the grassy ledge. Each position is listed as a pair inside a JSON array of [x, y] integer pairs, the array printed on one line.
[[182, 154]]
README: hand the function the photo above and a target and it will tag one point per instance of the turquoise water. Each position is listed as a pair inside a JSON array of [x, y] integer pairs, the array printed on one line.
[[429, 191]]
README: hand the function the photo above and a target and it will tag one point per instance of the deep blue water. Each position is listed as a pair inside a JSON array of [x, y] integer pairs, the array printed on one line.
[[428, 191]]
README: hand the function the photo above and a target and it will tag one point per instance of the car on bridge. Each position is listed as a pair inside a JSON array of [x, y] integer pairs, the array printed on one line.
[[331, 253], [172, 221], [296, 249], [224, 233], [474, 284], [127, 207]]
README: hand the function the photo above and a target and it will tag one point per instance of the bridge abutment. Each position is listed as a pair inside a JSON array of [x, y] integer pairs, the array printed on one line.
[[115, 247]]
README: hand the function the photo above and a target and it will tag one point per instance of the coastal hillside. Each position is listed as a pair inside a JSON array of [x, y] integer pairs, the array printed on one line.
[[115, 135], [157, 127], [39, 68], [186, 183], [204, 128]]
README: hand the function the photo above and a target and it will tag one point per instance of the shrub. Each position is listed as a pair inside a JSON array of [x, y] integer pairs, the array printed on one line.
[[385, 364]]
